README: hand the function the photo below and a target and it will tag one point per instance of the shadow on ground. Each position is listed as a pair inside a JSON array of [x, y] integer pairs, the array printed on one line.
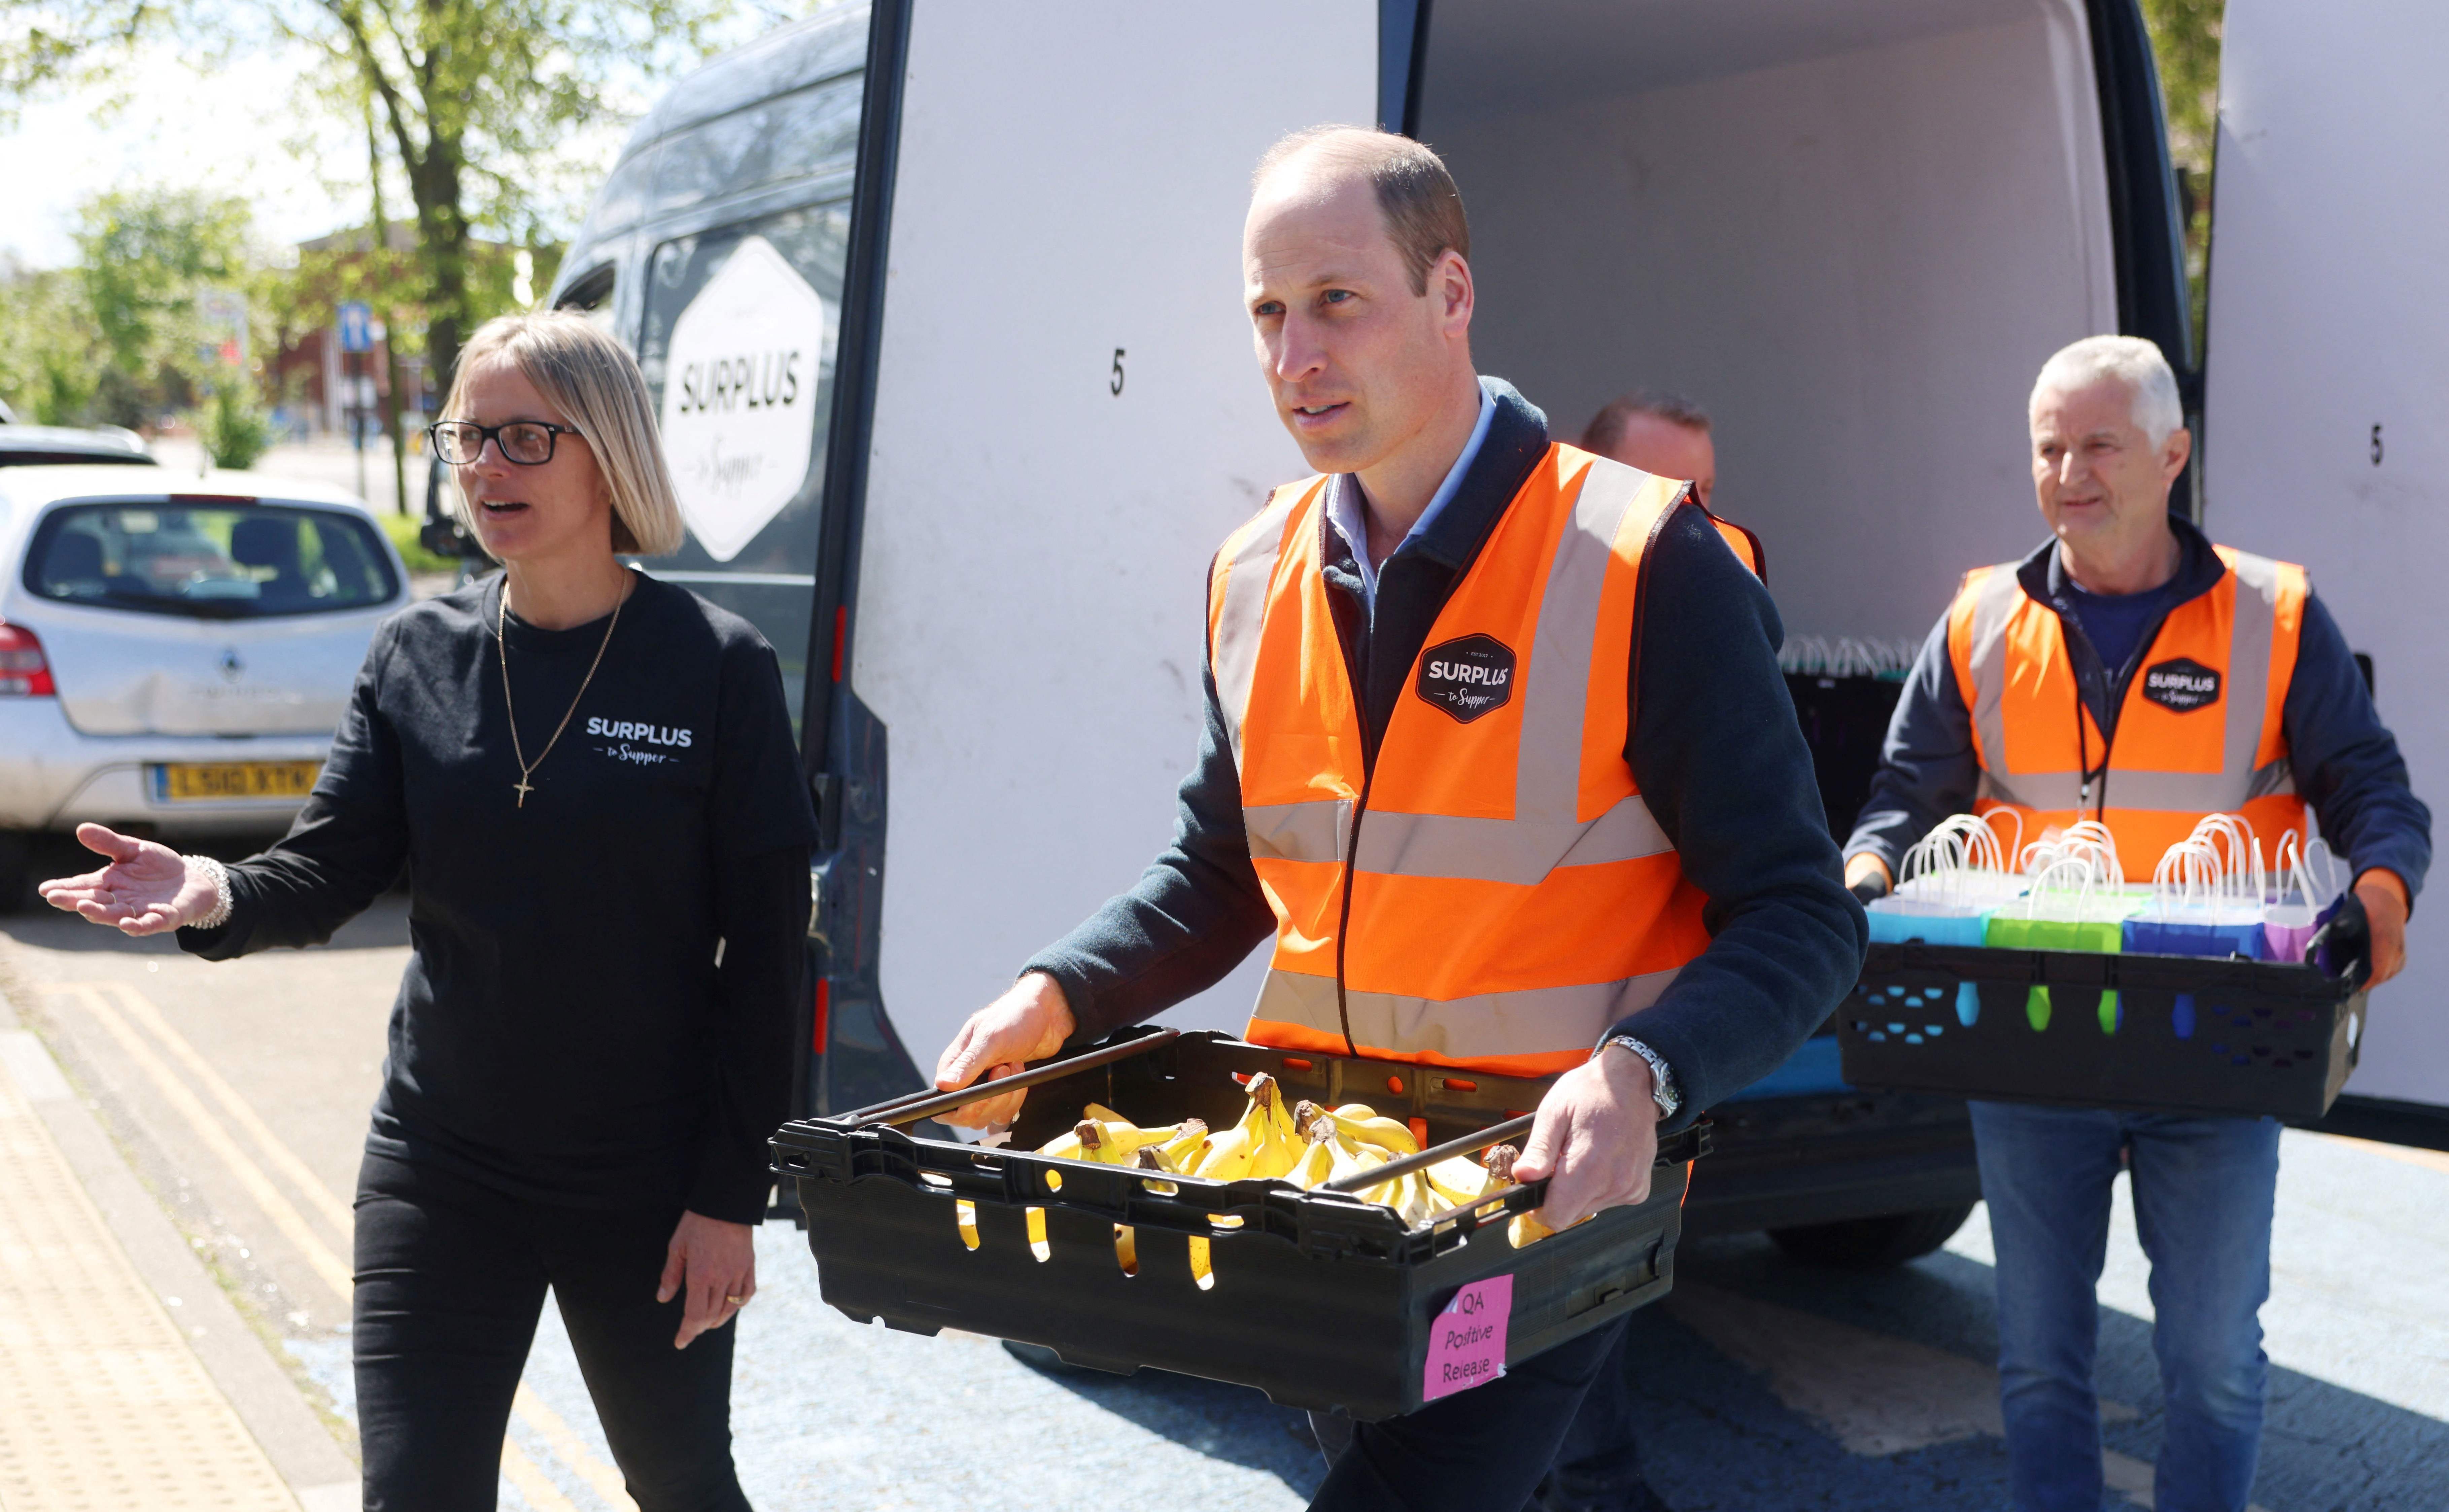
[[1232, 1423], [2325, 1448], [1715, 1437]]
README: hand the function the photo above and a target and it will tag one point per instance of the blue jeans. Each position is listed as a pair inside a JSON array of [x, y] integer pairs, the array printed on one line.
[[2203, 1193]]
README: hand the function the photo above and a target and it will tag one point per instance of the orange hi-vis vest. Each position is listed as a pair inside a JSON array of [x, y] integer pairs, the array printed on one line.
[[1742, 543], [1493, 893], [2200, 731]]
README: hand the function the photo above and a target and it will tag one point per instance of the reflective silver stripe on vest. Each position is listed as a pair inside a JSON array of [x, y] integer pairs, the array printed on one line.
[[1298, 831], [2247, 692], [1438, 845], [2249, 664], [1235, 655], [1993, 606], [1540, 1022], [2163, 791], [1555, 688]]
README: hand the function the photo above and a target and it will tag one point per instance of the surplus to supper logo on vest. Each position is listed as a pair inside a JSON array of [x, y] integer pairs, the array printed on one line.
[[1467, 677], [2181, 684]]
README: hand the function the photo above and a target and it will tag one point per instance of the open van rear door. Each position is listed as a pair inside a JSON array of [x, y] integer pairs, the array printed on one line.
[[2326, 436], [1067, 421]]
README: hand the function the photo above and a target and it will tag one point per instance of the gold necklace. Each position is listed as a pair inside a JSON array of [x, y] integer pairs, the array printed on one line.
[[501, 616]]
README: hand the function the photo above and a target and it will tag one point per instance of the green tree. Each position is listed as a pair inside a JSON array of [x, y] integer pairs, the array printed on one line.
[[465, 94], [49, 359], [142, 255], [233, 427], [2185, 46]]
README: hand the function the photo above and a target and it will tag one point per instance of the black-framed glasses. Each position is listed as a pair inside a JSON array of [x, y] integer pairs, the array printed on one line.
[[528, 443]]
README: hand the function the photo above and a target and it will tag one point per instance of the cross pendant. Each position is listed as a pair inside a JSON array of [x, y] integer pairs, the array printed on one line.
[[522, 789]]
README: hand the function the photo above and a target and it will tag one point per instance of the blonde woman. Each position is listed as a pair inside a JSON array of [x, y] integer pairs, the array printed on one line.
[[590, 778]]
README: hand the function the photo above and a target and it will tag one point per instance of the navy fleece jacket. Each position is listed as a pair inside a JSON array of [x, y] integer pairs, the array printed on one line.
[[2344, 761], [1714, 746]]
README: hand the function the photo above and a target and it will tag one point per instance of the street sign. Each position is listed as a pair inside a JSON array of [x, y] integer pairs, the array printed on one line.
[[356, 321], [222, 313]]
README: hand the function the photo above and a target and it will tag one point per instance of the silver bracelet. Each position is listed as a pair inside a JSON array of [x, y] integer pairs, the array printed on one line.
[[1662, 1077], [218, 875]]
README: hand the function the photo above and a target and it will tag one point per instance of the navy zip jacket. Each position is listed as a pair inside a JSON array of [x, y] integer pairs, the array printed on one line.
[[1714, 746], [2346, 762]]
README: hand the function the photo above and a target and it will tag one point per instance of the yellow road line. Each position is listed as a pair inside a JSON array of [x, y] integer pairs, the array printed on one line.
[[570, 1449], [525, 1475], [282, 1211], [2404, 1153], [309, 1185], [528, 1479]]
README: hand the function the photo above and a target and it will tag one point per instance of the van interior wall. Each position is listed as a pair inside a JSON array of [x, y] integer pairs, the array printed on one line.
[[1853, 244]]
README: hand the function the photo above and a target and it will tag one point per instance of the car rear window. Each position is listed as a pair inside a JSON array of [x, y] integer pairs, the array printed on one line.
[[216, 561], [38, 456]]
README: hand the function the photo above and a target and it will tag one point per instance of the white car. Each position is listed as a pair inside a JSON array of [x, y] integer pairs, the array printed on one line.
[[175, 650]]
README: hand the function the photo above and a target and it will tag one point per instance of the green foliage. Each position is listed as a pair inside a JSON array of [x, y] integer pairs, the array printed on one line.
[[143, 256], [467, 98], [49, 360], [2186, 47], [402, 529], [235, 429]]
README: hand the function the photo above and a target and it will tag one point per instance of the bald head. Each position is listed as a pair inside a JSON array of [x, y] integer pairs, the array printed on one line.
[[1414, 193]]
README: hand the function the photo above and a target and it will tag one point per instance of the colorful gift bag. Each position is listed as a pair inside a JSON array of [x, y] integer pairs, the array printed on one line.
[[2062, 912], [2207, 897], [2303, 905], [1897, 921]]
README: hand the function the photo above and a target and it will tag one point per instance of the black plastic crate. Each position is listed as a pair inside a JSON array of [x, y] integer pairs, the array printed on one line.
[[2181, 1034], [1317, 1298]]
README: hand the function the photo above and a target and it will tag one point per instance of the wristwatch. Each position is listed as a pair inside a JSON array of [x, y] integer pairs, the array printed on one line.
[[1662, 1078]]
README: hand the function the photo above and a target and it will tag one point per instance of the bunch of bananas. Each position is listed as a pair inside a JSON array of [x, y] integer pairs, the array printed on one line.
[[1307, 1145]]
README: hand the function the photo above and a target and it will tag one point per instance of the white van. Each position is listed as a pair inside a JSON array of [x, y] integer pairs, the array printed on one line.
[[940, 303]]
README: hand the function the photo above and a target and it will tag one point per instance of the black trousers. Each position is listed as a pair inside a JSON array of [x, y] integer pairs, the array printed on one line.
[[451, 1280], [1487, 1449], [1598, 1466]]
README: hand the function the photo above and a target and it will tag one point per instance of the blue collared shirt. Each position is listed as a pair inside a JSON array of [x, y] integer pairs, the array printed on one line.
[[1343, 502]]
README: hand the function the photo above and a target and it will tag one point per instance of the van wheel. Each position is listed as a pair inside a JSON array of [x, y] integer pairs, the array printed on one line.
[[16, 872], [1872, 1244]]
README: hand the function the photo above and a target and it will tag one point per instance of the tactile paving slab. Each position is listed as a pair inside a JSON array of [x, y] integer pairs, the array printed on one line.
[[103, 1406]]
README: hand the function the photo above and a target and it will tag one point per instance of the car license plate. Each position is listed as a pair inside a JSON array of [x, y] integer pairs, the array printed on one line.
[[205, 781]]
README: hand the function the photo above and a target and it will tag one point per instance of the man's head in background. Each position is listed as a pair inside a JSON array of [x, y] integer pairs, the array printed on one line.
[[1660, 433]]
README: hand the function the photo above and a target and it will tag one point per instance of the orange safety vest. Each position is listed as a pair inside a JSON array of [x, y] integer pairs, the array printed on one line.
[[1743, 543], [1493, 893], [2200, 731]]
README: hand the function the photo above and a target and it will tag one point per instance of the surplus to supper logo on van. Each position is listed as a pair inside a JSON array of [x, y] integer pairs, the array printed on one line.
[[646, 745], [1467, 677], [2181, 685], [739, 384]]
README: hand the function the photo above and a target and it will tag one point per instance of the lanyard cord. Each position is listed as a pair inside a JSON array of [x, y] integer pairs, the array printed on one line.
[[2083, 753]]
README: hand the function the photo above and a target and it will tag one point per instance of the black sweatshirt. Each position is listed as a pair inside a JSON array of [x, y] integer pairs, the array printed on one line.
[[564, 1031], [1714, 746]]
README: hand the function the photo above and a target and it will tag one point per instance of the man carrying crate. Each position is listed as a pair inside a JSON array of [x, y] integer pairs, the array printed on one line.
[[2133, 673], [1496, 749]]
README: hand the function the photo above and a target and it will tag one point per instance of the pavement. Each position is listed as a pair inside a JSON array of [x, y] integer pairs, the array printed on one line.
[[179, 1140]]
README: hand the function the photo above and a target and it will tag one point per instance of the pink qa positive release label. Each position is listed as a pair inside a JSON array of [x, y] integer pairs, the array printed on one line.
[[1467, 1344]]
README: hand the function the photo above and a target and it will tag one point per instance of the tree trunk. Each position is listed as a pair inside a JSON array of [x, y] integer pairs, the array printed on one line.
[[442, 235], [391, 332]]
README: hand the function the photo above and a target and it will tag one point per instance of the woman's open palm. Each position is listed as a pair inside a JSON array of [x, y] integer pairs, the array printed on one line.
[[146, 889]]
